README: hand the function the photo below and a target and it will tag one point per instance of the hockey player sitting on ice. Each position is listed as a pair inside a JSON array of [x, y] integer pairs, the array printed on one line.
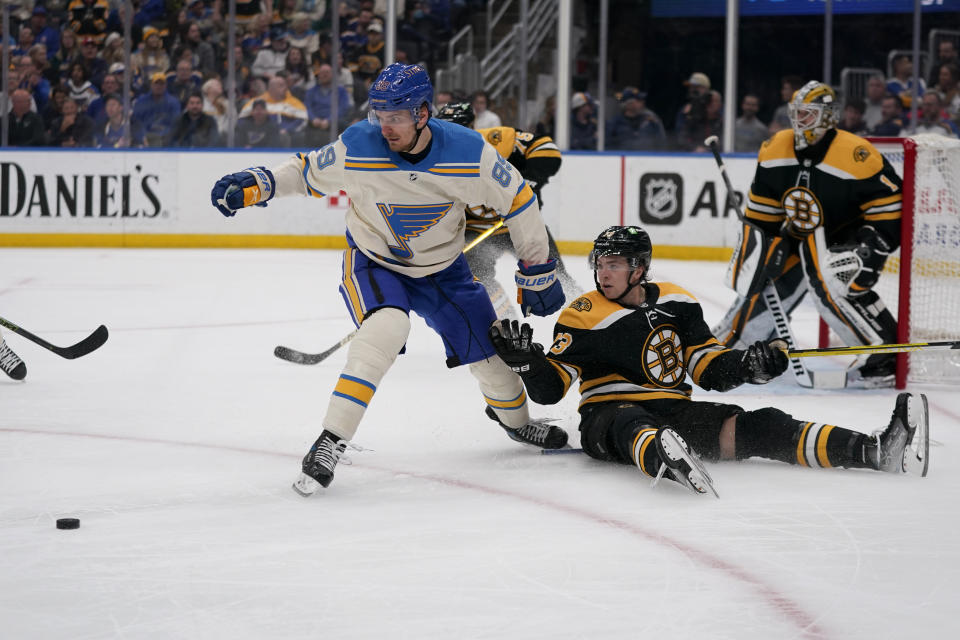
[[633, 342], [537, 159], [10, 362], [409, 178], [823, 214]]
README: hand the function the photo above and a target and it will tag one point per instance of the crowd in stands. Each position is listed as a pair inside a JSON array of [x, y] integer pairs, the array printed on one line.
[[885, 111], [67, 77], [66, 73]]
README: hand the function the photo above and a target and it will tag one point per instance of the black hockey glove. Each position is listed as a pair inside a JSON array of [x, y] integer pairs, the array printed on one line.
[[763, 361], [514, 344]]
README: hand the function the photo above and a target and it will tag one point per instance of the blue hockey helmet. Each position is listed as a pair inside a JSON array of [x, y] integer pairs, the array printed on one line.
[[401, 86]]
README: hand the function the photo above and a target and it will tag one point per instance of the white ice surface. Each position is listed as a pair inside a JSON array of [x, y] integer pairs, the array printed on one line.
[[176, 443]]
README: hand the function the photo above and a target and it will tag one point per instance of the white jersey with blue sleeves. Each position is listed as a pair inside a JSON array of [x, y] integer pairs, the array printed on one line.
[[410, 217]]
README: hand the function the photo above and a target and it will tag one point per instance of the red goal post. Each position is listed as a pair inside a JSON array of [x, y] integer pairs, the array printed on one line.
[[921, 281]]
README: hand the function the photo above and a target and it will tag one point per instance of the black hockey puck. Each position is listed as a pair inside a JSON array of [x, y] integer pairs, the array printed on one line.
[[68, 523]]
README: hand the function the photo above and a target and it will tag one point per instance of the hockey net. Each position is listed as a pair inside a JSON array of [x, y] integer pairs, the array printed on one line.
[[921, 281]]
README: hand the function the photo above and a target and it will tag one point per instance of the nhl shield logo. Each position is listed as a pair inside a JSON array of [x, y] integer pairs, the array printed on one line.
[[661, 198]]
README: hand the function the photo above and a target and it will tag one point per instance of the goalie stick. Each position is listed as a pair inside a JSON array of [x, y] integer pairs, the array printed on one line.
[[770, 295], [299, 357], [91, 343]]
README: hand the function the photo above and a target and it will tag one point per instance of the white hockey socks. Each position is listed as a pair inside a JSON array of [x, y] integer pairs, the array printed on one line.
[[503, 391], [372, 352]]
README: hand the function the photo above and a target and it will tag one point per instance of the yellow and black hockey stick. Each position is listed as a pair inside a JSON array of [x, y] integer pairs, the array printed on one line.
[[873, 348], [299, 357]]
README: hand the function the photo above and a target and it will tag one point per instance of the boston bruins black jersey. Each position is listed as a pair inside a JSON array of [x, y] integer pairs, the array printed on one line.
[[537, 158], [840, 184], [632, 354]]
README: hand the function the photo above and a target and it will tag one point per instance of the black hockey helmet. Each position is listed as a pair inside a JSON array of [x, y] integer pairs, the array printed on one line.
[[631, 242], [459, 113]]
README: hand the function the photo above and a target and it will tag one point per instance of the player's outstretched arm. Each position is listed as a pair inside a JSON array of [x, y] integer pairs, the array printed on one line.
[[514, 344], [759, 363]]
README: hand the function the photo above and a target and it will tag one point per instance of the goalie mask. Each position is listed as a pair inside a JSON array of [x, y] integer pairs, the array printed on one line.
[[633, 243], [814, 111]]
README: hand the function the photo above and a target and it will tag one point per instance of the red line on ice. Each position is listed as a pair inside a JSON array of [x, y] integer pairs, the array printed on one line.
[[792, 611]]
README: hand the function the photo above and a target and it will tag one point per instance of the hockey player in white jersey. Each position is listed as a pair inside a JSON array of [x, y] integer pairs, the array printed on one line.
[[409, 178]]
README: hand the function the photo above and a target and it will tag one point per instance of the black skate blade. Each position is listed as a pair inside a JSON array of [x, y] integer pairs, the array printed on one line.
[[562, 450]]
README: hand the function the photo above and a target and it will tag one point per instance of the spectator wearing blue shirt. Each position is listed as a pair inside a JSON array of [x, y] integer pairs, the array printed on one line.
[[901, 84], [156, 111], [25, 40], [97, 107], [109, 134], [43, 33], [319, 99]]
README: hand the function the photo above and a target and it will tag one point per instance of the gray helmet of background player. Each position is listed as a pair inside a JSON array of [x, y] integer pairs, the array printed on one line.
[[632, 243], [814, 110], [459, 113]]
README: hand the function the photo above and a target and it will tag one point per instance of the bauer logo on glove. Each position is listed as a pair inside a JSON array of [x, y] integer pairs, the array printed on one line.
[[534, 282]]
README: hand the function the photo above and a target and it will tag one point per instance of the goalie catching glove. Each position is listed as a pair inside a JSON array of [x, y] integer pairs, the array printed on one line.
[[763, 361], [253, 186], [538, 290]]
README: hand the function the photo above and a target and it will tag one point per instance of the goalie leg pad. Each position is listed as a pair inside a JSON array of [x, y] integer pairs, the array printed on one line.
[[748, 320], [503, 391], [372, 352], [862, 320]]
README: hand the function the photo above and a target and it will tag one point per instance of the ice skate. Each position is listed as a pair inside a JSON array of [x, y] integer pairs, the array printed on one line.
[[539, 433], [683, 463], [904, 446], [319, 463], [11, 363]]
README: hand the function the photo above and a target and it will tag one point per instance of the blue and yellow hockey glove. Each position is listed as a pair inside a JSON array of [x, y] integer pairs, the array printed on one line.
[[253, 186], [538, 290]]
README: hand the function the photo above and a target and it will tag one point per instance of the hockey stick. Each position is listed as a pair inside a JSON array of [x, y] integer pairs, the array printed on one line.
[[299, 357], [770, 295], [874, 348], [91, 343]]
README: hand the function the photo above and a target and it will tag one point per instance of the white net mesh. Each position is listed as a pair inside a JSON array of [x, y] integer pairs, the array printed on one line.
[[935, 264]]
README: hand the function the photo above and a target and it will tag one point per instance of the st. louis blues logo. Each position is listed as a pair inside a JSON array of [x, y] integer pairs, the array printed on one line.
[[407, 221]]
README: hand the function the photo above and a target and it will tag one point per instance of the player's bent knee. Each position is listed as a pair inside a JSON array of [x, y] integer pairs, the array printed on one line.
[[379, 339], [607, 433]]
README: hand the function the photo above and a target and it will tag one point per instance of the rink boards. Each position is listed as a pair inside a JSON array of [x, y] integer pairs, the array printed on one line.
[[161, 199]]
